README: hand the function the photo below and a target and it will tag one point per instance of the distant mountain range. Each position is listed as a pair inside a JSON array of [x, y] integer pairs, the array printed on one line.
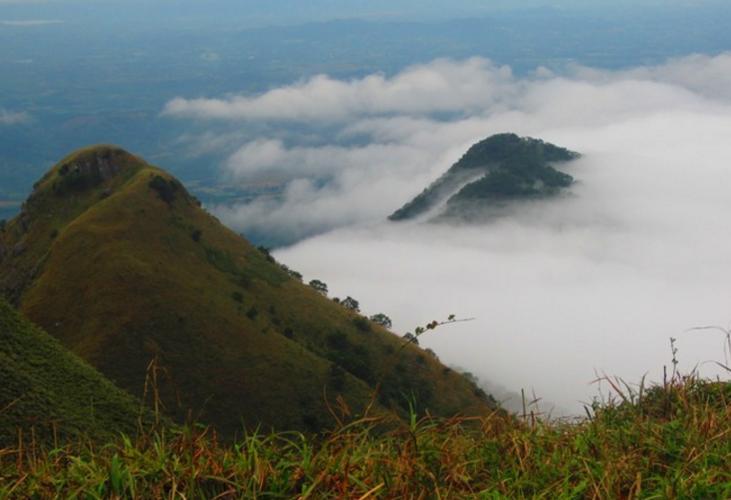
[[500, 168], [115, 259]]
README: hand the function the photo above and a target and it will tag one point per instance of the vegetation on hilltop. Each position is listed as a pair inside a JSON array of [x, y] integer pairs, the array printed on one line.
[[114, 258], [669, 441], [516, 178], [503, 166], [48, 394]]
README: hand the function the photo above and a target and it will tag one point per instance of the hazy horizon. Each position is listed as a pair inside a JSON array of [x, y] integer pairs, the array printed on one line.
[[192, 14]]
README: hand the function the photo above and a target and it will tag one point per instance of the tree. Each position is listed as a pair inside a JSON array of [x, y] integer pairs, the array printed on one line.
[[351, 303], [266, 252], [292, 273], [411, 338], [382, 319], [319, 286]]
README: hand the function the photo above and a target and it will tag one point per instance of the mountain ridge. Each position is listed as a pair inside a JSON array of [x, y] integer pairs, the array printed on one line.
[[127, 267]]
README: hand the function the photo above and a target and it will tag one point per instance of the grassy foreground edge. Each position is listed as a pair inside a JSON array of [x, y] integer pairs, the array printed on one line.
[[667, 441]]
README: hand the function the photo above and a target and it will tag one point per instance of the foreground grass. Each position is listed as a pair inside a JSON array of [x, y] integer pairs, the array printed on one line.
[[665, 442]]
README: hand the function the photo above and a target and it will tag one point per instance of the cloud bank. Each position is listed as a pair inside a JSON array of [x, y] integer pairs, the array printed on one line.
[[378, 144], [441, 86], [593, 282]]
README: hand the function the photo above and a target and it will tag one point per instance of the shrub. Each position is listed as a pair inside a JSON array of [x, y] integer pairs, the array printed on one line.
[[319, 286], [382, 319], [354, 359], [266, 252], [351, 303], [166, 189], [362, 324], [292, 273], [410, 337], [338, 341]]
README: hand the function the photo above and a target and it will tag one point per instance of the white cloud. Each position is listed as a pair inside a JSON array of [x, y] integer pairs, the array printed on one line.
[[596, 280], [388, 149], [441, 86], [29, 23], [698, 73], [13, 118], [471, 87]]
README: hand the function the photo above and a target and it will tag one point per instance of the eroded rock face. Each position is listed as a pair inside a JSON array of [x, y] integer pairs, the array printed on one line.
[[84, 171], [90, 170], [101, 165]]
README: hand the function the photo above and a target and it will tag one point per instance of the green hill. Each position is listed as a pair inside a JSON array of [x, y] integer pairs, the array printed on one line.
[[51, 391], [117, 260], [501, 167]]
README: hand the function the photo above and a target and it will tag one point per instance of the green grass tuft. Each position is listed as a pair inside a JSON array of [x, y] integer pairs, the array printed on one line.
[[673, 444]]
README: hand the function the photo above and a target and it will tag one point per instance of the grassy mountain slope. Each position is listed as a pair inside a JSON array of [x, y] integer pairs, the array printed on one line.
[[114, 257], [49, 389], [500, 167]]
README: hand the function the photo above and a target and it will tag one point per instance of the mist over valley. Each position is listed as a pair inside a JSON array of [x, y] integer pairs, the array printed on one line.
[[365, 249]]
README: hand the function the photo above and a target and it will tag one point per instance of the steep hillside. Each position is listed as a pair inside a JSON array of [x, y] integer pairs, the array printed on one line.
[[46, 388], [501, 167], [113, 257]]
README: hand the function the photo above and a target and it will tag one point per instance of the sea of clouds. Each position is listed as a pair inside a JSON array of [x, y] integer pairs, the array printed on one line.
[[561, 290]]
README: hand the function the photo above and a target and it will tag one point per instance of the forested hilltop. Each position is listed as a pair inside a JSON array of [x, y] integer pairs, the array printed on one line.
[[499, 168]]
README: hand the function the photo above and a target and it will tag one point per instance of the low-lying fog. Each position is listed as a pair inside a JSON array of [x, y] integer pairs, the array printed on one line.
[[593, 282]]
